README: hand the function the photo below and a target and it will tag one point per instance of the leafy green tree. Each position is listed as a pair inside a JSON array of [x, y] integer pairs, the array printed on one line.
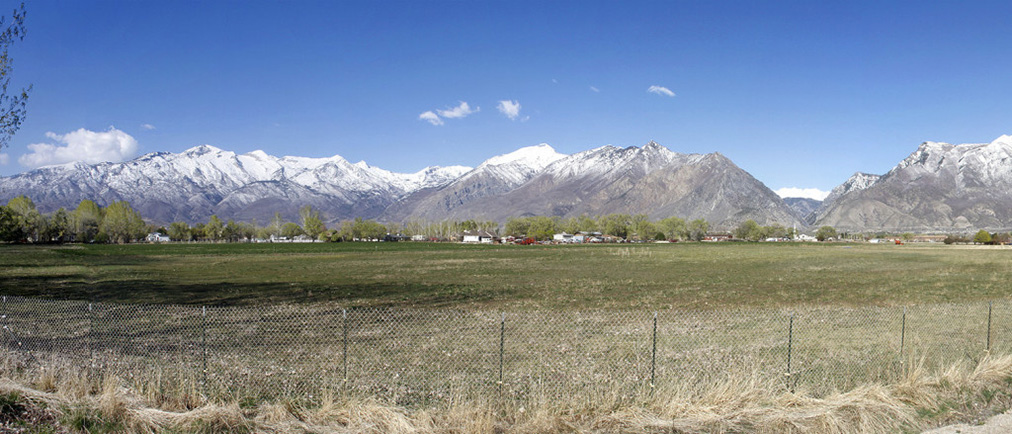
[[85, 220], [569, 225], [179, 231], [26, 220], [214, 230], [197, 232], [615, 224], [7, 231], [907, 236], [57, 227], [747, 230], [542, 228], [517, 227], [311, 221], [777, 230], [673, 228], [121, 223], [698, 229], [1001, 238], [468, 225], [291, 230], [824, 233], [587, 223], [12, 107], [644, 229], [230, 232], [246, 231], [982, 237]]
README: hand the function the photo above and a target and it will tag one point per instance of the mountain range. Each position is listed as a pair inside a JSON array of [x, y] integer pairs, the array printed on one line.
[[939, 187], [536, 180]]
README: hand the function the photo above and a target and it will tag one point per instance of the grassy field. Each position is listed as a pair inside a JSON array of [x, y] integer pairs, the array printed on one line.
[[646, 276], [745, 333]]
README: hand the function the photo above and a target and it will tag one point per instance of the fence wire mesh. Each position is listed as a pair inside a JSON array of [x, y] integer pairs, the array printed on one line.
[[419, 357]]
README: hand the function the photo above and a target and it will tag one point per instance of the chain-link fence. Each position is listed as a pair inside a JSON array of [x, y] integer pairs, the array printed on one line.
[[417, 357]]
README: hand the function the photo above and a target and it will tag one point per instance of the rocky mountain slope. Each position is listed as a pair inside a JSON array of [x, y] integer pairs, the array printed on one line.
[[650, 180], [939, 187], [803, 207]]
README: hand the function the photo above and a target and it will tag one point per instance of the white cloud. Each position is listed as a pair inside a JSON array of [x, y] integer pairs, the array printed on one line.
[[81, 145], [509, 108], [148, 127], [808, 193], [660, 90], [459, 111], [594, 89], [4, 159], [431, 117]]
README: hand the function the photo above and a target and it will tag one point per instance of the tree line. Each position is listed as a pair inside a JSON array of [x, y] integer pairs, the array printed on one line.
[[22, 222], [119, 222]]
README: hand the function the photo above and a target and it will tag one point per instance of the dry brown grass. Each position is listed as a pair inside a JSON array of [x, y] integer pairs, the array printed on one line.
[[741, 402]]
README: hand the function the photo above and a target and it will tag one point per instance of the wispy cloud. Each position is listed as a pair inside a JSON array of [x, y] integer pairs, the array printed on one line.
[[82, 145], [808, 193], [431, 118], [460, 111], [4, 159], [660, 90], [509, 108], [148, 127], [594, 89]]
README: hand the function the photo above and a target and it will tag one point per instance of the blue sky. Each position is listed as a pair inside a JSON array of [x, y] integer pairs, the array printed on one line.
[[800, 94]]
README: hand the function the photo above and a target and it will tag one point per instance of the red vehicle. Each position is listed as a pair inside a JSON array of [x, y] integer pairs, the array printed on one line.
[[528, 241]]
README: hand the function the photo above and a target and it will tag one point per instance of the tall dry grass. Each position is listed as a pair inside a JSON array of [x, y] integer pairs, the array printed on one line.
[[739, 402]]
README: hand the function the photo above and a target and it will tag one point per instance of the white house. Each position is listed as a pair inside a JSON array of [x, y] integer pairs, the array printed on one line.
[[157, 237], [482, 237]]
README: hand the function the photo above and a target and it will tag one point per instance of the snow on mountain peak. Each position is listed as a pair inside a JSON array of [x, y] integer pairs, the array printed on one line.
[[259, 154], [537, 156], [1005, 139], [201, 150]]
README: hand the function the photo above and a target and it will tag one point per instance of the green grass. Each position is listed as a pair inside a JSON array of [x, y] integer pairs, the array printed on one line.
[[647, 276]]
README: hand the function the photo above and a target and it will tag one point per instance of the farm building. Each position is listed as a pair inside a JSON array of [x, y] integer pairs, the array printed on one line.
[[157, 237], [482, 237]]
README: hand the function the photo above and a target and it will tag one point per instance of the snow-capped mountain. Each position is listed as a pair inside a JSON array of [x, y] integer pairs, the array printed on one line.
[[650, 180], [857, 182], [938, 187], [192, 185], [205, 180], [492, 178]]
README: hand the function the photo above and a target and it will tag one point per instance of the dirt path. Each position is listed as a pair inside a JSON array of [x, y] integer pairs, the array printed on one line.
[[1001, 423]]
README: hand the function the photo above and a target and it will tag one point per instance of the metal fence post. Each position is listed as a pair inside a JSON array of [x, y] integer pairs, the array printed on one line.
[[203, 347], [90, 338], [653, 356], [903, 333], [790, 344], [502, 343], [344, 342], [988, 345]]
